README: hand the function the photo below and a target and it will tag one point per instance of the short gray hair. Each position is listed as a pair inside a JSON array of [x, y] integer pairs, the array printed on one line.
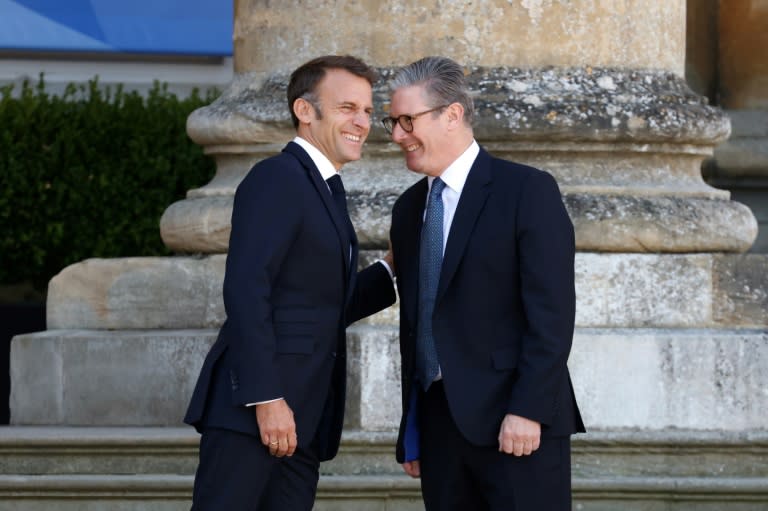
[[443, 81]]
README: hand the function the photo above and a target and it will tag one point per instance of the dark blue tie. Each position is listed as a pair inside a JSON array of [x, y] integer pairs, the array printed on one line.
[[430, 261], [340, 199]]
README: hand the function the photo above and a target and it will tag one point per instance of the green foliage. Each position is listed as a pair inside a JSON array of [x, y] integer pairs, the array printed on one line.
[[89, 173]]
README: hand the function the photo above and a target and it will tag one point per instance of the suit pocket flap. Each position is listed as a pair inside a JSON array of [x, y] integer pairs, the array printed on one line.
[[305, 345], [504, 358], [295, 329], [291, 315]]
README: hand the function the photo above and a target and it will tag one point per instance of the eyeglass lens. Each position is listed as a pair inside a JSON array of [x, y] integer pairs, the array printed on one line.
[[405, 121]]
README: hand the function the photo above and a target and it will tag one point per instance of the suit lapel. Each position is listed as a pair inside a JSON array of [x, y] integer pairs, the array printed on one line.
[[471, 203], [413, 219], [325, 195]]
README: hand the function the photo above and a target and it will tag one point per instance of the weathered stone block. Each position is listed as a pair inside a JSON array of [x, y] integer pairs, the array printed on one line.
[[105, 378], [613, 290], [657, 379], [138, 292], [201, 224], [660, 224], [740, 288], [373, 403], [637, 290], [650, 379]]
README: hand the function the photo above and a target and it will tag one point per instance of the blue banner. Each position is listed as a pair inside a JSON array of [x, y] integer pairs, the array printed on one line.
[[175, 27]]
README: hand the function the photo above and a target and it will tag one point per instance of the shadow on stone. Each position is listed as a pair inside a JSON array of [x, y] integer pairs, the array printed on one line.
[[15, 319]]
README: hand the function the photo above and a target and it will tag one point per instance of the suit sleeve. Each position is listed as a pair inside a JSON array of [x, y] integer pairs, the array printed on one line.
[[546, 253], [374, 291], [264, 223]]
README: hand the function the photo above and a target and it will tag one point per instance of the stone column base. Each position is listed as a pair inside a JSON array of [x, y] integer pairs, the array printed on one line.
[[613, 290]]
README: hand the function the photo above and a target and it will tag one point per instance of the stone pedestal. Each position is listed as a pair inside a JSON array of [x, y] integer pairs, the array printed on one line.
[[671, 342]]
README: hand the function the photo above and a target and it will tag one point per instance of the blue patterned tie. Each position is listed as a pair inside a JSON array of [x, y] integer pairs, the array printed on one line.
[[430, 261]]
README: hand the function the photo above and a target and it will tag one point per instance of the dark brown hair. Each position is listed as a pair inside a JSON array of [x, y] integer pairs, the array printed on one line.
[[305, 78]]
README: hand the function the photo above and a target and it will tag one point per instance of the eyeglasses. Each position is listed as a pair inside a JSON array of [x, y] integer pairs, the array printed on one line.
[[406, 121]]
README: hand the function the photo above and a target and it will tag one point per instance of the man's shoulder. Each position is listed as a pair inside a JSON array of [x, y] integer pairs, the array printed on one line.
[[287, 157], [413, 192], [282, 172], [520, 170], [513, 172], [283, 164]]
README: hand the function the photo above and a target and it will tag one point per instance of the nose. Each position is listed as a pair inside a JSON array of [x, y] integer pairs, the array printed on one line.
[[363, 119], [398, 133]]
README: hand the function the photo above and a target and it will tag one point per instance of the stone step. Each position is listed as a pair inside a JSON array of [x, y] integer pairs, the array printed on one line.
[[162, 492], [30, 450], [69, 468], [604, 455], [65, 451]]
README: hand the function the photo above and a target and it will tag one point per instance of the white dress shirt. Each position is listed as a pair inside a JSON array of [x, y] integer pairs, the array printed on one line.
[[454, 178], [322, 163]]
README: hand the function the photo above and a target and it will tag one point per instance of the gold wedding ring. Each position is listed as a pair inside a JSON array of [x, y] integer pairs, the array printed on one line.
[[273, 443]]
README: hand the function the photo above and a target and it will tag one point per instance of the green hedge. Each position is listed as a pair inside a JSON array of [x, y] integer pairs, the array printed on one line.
[[88, 173]]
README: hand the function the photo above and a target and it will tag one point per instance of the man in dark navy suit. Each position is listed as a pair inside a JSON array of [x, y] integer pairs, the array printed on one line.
[[484, 259], [269, 401]]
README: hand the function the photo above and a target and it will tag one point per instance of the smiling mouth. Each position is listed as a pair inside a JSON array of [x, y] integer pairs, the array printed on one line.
[[411, 148], [352, 138]]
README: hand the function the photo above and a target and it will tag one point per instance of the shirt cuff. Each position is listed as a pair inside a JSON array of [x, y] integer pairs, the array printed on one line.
[[263, 402], [389, 270]]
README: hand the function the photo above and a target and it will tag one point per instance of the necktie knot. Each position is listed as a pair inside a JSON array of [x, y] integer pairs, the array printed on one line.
[[437, 188], [336, 185], [339, 194]]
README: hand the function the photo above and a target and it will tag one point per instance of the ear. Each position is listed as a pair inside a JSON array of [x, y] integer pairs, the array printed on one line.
[[304, 110], [455, 115]]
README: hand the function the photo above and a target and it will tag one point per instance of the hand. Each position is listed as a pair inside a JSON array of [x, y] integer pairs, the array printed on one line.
[[390, 258], [412, 468], [277, 427], [518, 435]]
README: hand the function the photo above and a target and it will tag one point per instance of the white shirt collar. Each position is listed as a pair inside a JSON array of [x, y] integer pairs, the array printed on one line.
[[322, 163], [456, 174]]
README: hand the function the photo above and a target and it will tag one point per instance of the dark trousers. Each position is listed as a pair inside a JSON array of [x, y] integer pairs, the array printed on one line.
[[456, 475], [237, 473]]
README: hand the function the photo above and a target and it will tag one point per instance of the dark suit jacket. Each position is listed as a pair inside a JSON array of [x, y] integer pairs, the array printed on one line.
[[289, 293], [504, 314]]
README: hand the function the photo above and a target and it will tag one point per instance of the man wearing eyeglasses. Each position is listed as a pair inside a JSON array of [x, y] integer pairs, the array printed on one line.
[[484, 258], [269, 401]]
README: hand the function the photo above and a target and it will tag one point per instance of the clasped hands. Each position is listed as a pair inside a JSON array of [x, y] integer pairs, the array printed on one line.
[[277, 427], [517, 436]]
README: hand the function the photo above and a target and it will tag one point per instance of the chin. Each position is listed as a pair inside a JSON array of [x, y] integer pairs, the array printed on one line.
[[414, 166]]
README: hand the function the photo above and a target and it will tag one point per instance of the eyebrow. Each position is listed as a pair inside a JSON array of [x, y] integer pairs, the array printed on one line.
[[354, 105]]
